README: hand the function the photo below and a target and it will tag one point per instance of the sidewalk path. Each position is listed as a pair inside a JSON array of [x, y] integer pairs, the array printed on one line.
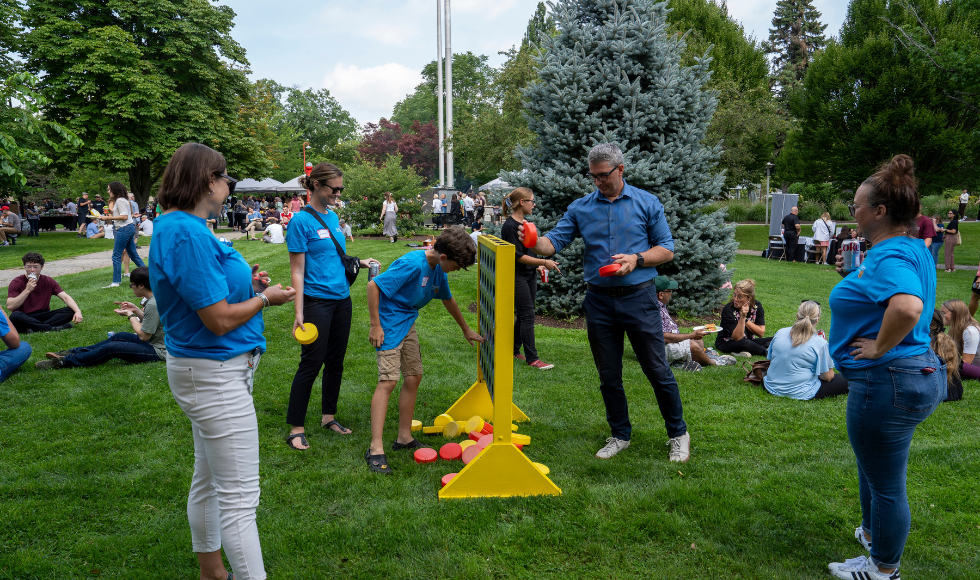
[[85, 262], [759, 254]]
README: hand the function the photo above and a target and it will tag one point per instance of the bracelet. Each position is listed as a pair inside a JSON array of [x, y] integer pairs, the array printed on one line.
[[264, 298], [134, 315]]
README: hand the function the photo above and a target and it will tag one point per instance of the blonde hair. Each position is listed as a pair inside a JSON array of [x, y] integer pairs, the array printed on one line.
[[807, 316], [746, 288], [959, 320], [825, 216], [321, 172], [515, 197], [946, 348]]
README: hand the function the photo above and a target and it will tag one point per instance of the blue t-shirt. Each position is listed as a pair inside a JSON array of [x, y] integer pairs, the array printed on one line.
[[794, 371], [91, 229], [324, 276], [4, 328], [191, 270], [406, 286], [899, 265]]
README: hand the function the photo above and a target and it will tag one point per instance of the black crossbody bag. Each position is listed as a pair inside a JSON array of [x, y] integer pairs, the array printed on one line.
[[352, 264]]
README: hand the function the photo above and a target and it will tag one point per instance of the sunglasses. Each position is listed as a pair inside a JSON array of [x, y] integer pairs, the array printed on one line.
[[335, 190], [600, 177], [231, 182]]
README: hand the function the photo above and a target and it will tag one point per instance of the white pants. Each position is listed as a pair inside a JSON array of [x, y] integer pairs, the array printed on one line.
[[217, 397]]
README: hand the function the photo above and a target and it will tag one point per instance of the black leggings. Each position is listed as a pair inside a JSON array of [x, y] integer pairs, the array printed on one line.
[[832, 388], [754, 346], [525, 289], [332, 319]]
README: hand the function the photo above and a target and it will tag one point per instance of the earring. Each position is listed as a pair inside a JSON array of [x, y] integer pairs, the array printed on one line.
[[211, 192]]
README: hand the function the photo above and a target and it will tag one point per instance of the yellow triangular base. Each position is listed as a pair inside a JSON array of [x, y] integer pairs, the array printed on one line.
[[476, 401], [502, 470]]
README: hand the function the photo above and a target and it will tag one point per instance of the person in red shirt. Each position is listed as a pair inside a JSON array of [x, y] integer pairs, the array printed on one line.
[[926, 229], [29, 300]]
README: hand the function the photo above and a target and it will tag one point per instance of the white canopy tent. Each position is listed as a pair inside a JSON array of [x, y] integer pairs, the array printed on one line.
[[291, 186], [495, 184], [250, 186]]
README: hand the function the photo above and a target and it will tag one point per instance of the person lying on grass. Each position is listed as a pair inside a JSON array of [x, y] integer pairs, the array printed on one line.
[[144, 344], [394, 300]]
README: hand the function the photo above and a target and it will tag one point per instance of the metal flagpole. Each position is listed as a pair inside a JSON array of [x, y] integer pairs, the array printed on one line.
[[449, 98], [442, 147]]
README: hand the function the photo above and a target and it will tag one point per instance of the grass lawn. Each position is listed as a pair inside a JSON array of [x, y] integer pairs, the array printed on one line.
[[96, 463], [51, 245]]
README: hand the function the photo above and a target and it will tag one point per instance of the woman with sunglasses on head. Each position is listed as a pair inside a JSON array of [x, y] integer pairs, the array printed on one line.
[[879, 338], [519, 204], [124, 229], [322, 300], [801, 366], [743, 323], [211, 305]]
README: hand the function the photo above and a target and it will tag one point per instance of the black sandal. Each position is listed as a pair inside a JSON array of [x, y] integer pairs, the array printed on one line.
[[341, 427], [413, 444], [302, 440], [377, 463]]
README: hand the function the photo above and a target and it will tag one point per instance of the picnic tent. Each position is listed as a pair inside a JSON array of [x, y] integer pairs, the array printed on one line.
[[496, 184], [250, 186], [291, 186]]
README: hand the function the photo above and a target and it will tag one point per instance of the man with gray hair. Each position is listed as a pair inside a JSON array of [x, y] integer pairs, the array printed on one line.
[[625, 230]]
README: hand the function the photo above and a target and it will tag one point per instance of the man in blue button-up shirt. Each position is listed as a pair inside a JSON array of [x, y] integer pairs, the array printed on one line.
[[623, 225]]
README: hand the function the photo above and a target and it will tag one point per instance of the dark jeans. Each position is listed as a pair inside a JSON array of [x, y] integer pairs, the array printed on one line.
[[122, 345], [332, 319], [525, 288], [791, 241], [125, 241], [885, 404], [41, 321], [832, 388], [637, 316], [35, 227], [754, 346]]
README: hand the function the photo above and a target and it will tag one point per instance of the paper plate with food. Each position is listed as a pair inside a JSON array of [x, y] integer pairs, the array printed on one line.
[[709, 328]]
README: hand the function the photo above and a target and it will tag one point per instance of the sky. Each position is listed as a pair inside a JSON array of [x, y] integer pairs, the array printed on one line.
[[369, 53]]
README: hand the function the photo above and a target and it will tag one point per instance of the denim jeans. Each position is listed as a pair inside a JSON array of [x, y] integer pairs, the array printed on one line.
[[217, 398], [934, 250], [637, 316], [885, 405], [12, 358], [125, 241], [122, 345]]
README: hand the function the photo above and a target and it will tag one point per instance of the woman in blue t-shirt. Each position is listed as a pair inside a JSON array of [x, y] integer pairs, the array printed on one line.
[[322, 299], [210, 303], [801, 366], [879, 338]]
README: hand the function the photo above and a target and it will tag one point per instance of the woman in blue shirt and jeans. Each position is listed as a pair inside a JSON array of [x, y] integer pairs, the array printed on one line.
[[211, 304], [879, 338]]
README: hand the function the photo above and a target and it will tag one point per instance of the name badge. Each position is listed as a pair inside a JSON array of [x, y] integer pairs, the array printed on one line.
[[425, 280], [324, 234]]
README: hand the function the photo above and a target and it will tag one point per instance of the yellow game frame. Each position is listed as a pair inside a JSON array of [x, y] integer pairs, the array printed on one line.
[[501, 470]]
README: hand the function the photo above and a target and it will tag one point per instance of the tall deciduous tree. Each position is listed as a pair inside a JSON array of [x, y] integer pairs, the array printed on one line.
[[472, 81], [613, 73], [416, 149], [134, 79], [795, 36]]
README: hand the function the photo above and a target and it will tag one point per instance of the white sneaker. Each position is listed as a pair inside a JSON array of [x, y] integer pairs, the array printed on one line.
[[113, 285], [860, 568], [613, 446], [722, 360], [680, 448], [859, 535], [125, 275]]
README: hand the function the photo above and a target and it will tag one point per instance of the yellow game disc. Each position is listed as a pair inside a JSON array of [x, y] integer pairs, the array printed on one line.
[[520, 439], [432, 429], [474, 424], [542, 468], [513, 427], [416, 425], [467, 443], [442, 420], [308, 336], [451, 430]]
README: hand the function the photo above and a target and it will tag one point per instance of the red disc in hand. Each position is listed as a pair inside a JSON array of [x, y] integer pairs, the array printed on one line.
[[450, 451], [611, 269], [425, 455], [530, 235]]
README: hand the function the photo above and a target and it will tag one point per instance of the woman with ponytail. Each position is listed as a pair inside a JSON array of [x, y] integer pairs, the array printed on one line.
[[946, 348], [965, 332], [879, 338], [801, 366], [517, 205]]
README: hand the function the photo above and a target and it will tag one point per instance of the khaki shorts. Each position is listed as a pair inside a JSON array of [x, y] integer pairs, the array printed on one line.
[[679, 351], [406, 357]]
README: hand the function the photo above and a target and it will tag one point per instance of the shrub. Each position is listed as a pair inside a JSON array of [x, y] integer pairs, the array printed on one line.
[[933, 204], [366, 185], [757, 212], [840, 212], [737, 211], [810, 211]]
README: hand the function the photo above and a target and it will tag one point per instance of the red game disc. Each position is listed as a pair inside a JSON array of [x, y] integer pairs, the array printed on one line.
[[530, 235], [487, 429], [425, 455], [607, 271], [447, 478], [475, 435], [484, 441], [470, 453], [450, 451]]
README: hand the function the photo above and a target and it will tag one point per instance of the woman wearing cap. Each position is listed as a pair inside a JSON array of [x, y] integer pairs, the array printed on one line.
[[801, 366], [211, 303]]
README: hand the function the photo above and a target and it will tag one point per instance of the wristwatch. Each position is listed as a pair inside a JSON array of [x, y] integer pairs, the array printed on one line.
[[639, 260]]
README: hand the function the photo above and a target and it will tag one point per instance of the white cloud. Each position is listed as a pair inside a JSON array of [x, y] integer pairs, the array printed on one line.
[[371, 93], [486, 10]]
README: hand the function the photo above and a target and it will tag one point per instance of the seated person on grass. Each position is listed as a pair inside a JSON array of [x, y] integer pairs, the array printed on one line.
[[29, 300], [94, 230], [801, 366], [945, 347], [743, 322], [394, 299], [254, 221], [686, 349], [18, 351], [144, 344], [348, 234], [146, 226], [9, 224], [273, 233]]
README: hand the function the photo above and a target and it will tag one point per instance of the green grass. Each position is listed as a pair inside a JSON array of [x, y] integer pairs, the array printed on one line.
[[95, 465], [52, 245]]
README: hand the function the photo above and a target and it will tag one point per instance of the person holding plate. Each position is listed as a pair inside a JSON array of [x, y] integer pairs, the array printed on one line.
[[685, 351]]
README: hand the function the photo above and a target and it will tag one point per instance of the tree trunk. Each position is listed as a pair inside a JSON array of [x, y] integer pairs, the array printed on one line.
[[141, 180]]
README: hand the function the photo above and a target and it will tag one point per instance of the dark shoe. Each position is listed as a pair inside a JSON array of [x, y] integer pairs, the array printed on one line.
[[340, 428], [58, 355], [413, 444], [377, 463], [50, 364], [302, 441], [66, 326]]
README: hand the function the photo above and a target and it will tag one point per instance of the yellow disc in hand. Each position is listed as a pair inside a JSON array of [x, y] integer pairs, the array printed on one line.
[[306, 336]]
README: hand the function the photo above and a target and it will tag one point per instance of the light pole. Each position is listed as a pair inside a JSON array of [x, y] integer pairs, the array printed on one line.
[[442, 145], [307, 167], [769, 167]]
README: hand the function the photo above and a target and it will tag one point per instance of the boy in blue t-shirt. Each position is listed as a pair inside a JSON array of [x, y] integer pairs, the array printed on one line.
[[394, 300]]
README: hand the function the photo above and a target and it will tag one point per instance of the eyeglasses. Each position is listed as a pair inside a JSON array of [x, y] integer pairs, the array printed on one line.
[[231, 182], [530, 200], [853, 208], [600, 177]]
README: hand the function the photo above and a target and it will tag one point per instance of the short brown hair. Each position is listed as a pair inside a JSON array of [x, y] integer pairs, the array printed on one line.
[[187, 177], [32, 258], [457, 245], [321, 172]]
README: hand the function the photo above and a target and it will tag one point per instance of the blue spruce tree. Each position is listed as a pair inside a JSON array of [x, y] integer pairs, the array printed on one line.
[[613, 73]]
